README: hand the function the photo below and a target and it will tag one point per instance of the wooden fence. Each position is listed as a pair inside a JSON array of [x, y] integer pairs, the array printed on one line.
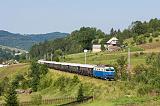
[[56, 101]]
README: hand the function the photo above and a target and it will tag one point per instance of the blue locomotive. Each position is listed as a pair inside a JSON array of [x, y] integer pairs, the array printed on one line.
[[103, 72]]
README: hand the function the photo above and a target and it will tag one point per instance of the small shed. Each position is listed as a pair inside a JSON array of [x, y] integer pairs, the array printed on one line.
[[96, 48]]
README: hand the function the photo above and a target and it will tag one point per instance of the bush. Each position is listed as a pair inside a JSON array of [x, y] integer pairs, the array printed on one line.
[[141, 53], [80, 95], [140, 73], [150, 40], [157, 40], [140, 40], [136, 54], [56, 59], [150, 58], [60, 83], [44, 83], [155, 34], [75, 79], [147, 35], [155, 82]]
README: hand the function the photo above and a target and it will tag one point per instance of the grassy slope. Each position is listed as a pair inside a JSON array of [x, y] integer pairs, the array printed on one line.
[[103, 58], [151, 47], [12, 70]]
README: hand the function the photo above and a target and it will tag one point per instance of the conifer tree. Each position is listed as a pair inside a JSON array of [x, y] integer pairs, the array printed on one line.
[[11, 96], [80, 95]]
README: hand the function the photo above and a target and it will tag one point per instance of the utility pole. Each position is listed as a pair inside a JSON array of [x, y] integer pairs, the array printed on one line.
[[85, 52], [51, 56], [44, 56], [129, 62]]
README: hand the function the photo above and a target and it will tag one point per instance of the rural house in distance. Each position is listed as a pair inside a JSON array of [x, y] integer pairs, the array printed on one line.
[[111, 45]]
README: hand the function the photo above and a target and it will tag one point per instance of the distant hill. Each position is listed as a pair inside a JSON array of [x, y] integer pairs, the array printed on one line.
[[26, 41]]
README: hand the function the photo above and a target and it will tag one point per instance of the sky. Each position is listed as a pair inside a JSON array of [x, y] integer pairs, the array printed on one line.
[[43, 16]]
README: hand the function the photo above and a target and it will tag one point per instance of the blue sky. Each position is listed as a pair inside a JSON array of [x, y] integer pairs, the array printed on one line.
[[42, 16]]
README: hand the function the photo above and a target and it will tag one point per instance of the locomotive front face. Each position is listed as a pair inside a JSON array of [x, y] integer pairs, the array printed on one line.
[[109, 73]]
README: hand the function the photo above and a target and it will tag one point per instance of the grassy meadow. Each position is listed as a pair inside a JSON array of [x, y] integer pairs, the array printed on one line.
[[104, 58]]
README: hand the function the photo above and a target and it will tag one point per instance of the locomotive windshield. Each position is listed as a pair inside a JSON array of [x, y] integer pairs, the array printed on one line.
[[109, 69]]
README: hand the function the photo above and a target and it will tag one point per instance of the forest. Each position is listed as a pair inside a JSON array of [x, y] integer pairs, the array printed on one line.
[[5, 54]]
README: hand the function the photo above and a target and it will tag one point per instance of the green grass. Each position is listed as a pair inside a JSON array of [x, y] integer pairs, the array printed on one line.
[[12, 70], [103, 58]]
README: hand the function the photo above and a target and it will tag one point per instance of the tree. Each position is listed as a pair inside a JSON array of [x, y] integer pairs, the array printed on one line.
[[36, 71], [58, 52], [43, 69], [80, 96], [122, 63], [103, 47], [139, 27], [112, 32], [11, 96], [150, 40], [4, 84]]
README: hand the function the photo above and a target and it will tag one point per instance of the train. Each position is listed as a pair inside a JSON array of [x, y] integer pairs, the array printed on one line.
[[97, 71]]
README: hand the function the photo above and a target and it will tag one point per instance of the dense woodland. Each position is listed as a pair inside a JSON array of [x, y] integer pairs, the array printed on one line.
[[5, 54], [83, 38]]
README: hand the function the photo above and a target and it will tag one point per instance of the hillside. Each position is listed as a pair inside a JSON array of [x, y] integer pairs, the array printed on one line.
[[83, 38], [26, 41]]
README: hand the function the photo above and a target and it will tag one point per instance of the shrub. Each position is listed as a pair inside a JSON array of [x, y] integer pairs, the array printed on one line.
[[136, 54], [141, 53], [150, 58], [155, 82], [150, 40], [155, 34], [140, 73], [80, 95], [140, 40], [60, 83], [147, 35], [157, 40], [44, 83], [56, 59], [75, 79]]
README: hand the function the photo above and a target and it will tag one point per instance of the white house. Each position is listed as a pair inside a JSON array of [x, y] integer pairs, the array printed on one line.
[[113, 44], [113, 41]]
